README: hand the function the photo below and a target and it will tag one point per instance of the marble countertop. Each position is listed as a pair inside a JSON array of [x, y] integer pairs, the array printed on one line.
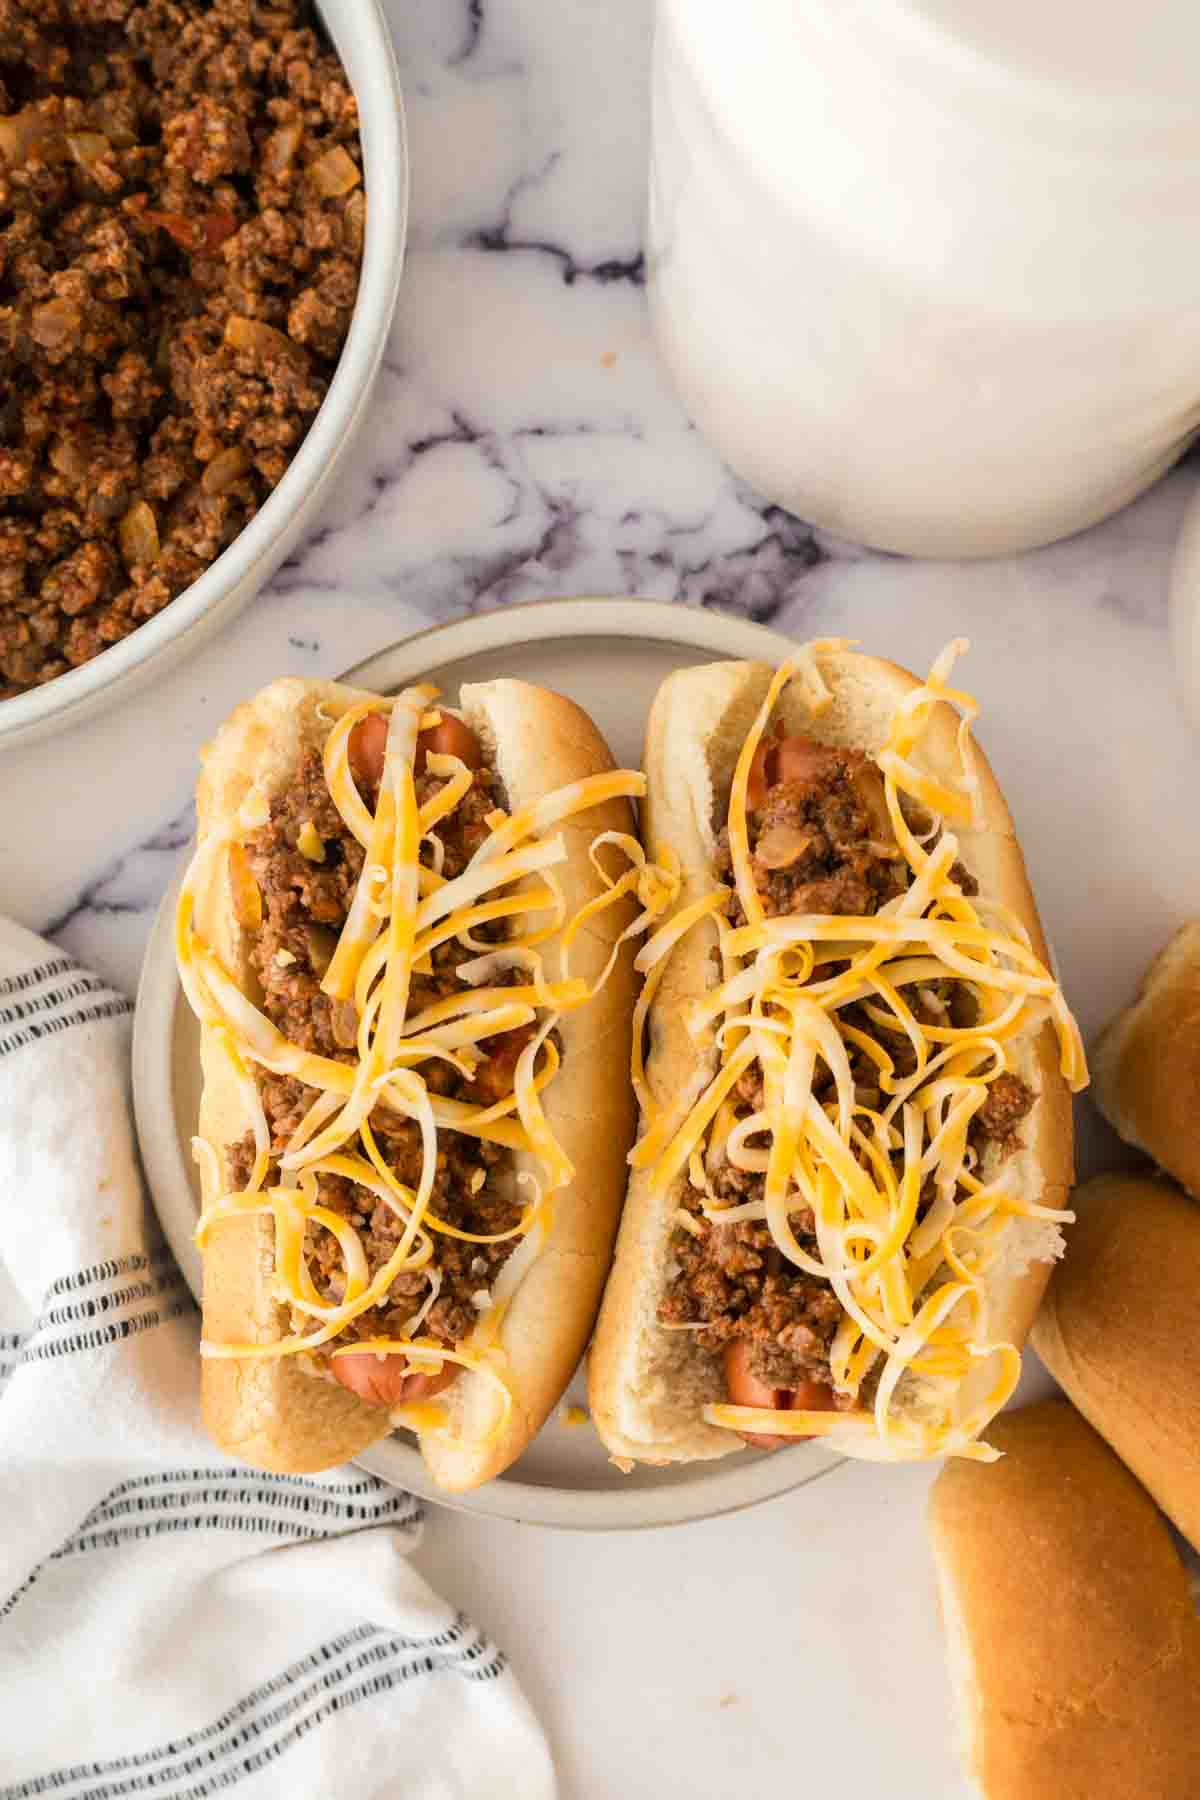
[[524, 442]]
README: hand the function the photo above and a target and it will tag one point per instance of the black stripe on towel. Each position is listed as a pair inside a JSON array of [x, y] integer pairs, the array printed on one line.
[[31, 978], [353, 1492], [15, 1011], [100, 1336], [284, 1507], [89, 1295], [97, 1305], [20, 1592], [115, 1008], [109, 1270], [310, 1505], [248, 1736], [255, 1526]]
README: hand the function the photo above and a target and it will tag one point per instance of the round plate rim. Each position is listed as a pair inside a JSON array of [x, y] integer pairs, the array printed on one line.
[[716, 1491]]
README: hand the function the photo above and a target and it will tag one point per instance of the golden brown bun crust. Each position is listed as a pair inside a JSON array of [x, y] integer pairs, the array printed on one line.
[[1146, 1063], [1118, 1330], [271, 1412], [266, 1412], [647, 1385], [1073, 1644], [540, 742]]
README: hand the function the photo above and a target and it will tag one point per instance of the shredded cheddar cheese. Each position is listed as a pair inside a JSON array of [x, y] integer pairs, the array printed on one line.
[[401, 911], [911, 1289]]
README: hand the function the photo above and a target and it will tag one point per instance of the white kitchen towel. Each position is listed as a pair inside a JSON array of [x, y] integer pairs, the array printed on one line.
[[173, 1625]]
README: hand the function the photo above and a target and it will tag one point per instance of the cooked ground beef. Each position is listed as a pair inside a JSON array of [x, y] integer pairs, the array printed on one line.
[[823, 844], [181, 226], [820, 842], [736, 1277], [305, 905], [1008, 1101]]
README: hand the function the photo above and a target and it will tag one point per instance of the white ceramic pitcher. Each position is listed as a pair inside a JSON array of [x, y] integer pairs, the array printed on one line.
[[927, 272]]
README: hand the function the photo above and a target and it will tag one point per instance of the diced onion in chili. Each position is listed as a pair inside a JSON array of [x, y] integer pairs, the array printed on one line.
[[254, 336], [226, 467], [87, 147], [21, 133], [279, 151], [335, 173], [138, 535], [354, 222]]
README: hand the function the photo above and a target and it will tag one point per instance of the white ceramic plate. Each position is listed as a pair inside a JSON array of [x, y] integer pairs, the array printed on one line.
[[362, 40], [610, 656]]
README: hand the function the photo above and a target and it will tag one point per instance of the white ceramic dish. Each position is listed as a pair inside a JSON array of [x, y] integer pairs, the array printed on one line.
[[360, 36], [610, 656]]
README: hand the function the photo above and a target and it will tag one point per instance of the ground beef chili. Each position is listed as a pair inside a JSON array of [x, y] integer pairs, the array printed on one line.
[[305, 903], [1009, 1100], [181, 226], [821, 841]]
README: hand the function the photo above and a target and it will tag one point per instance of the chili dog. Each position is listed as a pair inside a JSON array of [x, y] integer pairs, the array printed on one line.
[[855, 1143], [405, 932]]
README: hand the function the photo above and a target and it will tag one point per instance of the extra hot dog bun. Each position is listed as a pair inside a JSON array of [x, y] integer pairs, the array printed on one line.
[[648, 1385], [271, 1412], [1073, 1645], [1117, 1329], [1147, 1062]]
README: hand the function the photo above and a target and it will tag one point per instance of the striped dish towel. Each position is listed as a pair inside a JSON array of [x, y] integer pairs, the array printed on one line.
[[172, 1625]]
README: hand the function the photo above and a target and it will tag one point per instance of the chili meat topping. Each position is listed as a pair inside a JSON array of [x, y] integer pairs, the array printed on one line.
[[181, 227], [306, 894], [821, 842]]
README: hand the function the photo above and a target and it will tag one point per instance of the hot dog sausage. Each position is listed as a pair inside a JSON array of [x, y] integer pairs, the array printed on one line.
[[784, 759], [745, 1389], [365, 750], [389, 1380], [450, 737], [494, 1076]]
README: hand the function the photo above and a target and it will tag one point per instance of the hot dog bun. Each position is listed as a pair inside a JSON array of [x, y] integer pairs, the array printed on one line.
[[1117, 1330], [648, 1385], [1147, 1062], [270, 1412], [1074, 1649]]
